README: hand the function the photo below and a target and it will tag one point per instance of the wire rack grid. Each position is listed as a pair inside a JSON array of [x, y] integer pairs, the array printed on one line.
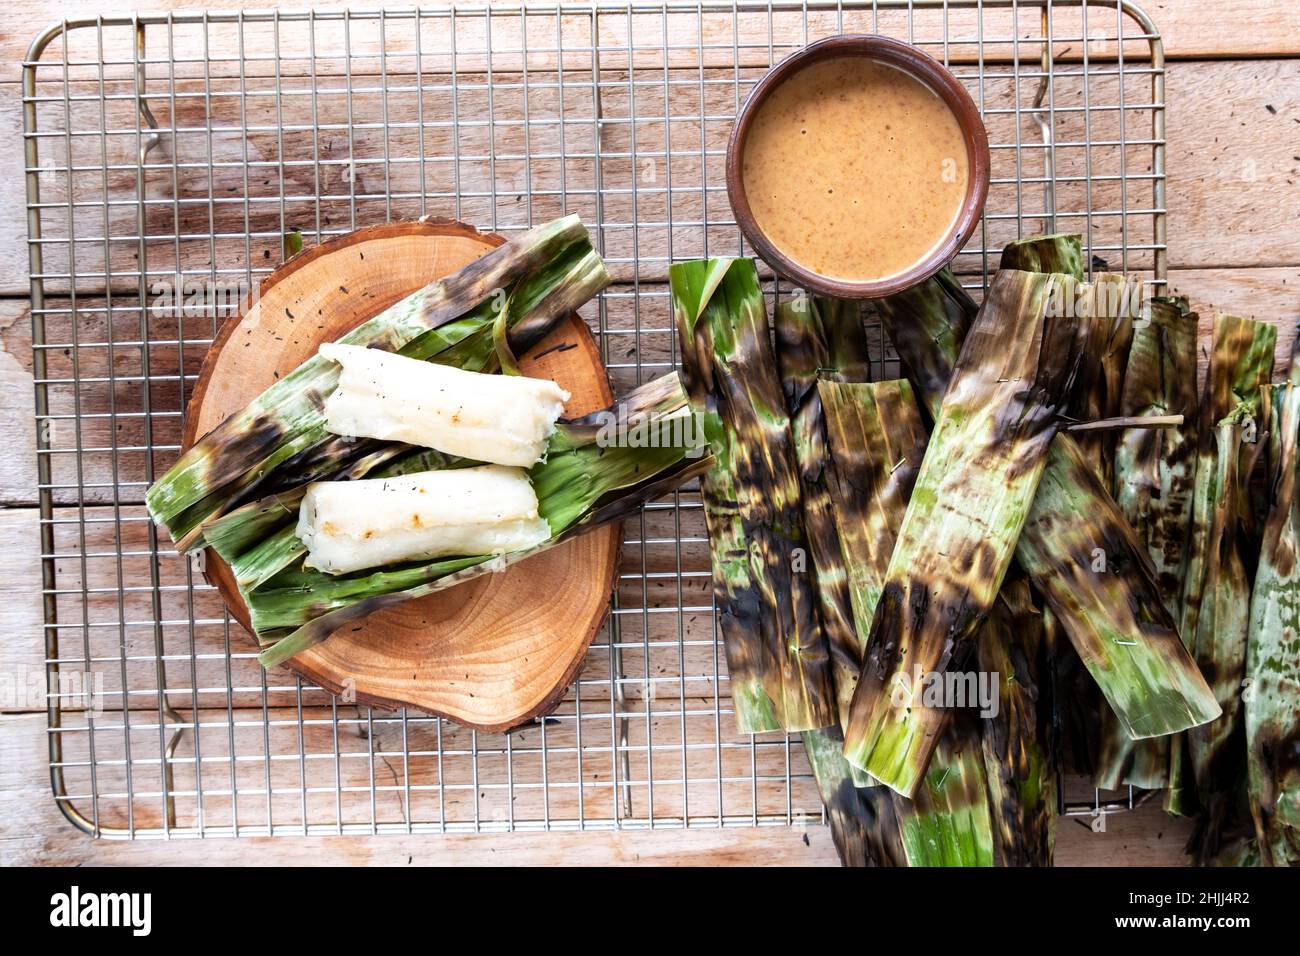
[[174, 153]]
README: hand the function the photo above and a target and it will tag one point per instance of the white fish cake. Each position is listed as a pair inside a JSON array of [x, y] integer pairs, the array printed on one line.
[[351, 525], [500, 419]]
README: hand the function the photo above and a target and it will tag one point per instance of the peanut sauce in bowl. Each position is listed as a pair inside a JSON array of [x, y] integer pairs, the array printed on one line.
[[858, 167]]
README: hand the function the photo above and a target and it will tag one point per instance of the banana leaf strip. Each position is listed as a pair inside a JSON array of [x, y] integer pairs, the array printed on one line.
[[777, 657], [1206, 767], [863, 821], [1054, 252], [1017, 741], [1118, 300], [804, 329], [1134, 652], [1156, 467], [1272, 697], [927, 325], [948, 821], [877, 441], [1155, 471]]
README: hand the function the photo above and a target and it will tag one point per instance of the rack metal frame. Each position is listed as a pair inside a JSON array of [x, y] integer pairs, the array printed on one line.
[[145, 139]]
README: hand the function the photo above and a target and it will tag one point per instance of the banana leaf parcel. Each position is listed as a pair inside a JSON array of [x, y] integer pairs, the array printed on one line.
[[926, 339], [1023, 356], [1206, 769], [822, 336], [591, 476], [877, 442], [777, 655], [1155, 470], [1272, 698]]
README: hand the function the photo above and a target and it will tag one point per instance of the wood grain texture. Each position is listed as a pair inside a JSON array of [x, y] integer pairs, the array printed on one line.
[[1241, 28], [490, 653], [1217, 217], [33, 832]]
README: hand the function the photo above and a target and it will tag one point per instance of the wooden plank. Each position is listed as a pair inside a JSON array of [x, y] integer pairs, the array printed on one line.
[[17, 403], [1231, 155], [1241, 28], [33, 832], [1234, 168]]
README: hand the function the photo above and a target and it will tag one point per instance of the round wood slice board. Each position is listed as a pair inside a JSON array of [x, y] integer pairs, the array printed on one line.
[[490, 653]]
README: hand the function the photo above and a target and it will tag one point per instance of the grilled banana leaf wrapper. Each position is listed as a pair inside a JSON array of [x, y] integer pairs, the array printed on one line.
[[1156, 467], [1018, 742], [823, 336], [777, 656], [1118, 301], [1023, 356], [863, 821], [279, 439], [925, 338], [1078, 534], [877, 441], [592, 475], [1272, 697], [1206, 766], [1155, 471]]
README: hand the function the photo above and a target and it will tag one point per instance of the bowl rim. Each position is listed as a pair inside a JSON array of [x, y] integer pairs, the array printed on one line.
[[920, 66]]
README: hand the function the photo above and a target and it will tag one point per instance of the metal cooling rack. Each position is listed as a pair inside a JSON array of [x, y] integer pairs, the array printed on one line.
[[182, 148]]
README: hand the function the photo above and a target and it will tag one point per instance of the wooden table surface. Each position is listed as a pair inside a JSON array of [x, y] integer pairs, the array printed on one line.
[[1233, 129]]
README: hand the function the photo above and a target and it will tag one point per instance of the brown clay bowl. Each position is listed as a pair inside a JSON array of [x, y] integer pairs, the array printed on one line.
[[927, 70]]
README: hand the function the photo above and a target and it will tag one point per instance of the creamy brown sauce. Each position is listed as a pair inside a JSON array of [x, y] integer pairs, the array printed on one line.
[[854, 169]]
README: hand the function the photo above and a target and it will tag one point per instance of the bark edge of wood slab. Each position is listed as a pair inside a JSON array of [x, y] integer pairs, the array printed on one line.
[[489, 654]]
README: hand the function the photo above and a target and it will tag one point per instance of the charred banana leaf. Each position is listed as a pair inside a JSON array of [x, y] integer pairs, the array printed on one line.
[[1205, 771], [1272, 700], [777, 656], [279, 439], [1156, 467], [1105, 619], [1155, 471], [1055, 252], [1074, 536], [948, 821], [1117, 300], [927, 325], [877, 442], [863, 821], [821, 336], [1023, 356], [1097, 634], [1016, 741]]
